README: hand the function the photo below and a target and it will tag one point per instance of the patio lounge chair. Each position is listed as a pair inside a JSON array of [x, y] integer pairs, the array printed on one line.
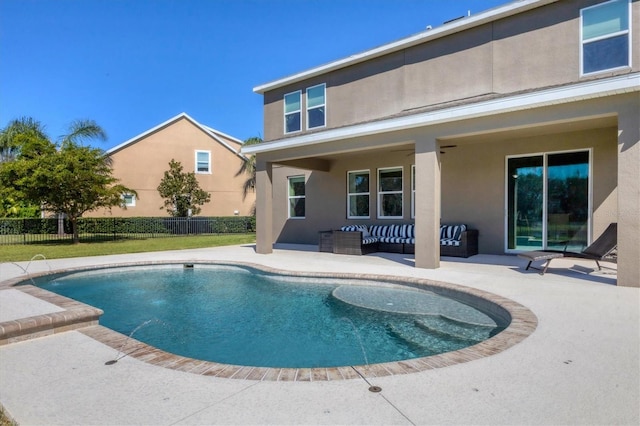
[[597, 251]]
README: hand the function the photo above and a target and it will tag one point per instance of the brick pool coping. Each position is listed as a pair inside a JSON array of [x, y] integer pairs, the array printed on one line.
[[84, 319]]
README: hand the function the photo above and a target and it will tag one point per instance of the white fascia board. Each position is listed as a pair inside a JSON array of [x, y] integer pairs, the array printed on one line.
[[481, 18], [213, 134], [576, 92], [218, 132], [208, 130]]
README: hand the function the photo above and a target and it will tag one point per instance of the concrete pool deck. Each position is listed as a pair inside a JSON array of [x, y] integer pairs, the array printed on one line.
[[581, 365]]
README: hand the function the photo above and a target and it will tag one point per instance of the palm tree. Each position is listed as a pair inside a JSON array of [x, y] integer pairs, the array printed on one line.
[[80, 130], [14, 135], [248, 168]]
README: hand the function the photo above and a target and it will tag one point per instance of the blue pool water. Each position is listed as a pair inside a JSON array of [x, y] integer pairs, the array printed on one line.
[[243, 316]]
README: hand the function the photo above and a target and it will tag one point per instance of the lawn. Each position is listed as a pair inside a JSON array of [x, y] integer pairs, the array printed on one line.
[[18, 253]]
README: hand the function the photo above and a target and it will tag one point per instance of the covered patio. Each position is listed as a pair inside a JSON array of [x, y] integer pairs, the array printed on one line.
[[460, 164]]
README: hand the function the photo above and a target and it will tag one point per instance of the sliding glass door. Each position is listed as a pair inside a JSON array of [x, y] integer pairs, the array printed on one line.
[[548, 201], [525, 204]]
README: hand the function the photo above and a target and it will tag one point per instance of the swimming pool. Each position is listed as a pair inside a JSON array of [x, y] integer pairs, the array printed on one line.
[[241, 315]]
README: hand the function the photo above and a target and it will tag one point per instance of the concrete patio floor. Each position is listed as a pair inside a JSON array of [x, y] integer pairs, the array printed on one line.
[[580, 366]]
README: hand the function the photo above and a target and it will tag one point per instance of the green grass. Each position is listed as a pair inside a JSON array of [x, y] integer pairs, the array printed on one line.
[[18, 253]]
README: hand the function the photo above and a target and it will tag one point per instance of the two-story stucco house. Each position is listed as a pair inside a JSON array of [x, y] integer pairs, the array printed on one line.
[[213, 156], [522, 122]]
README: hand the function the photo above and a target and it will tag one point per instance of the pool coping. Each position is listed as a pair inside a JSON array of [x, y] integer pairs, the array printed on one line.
[[84, 319], [75, 315]]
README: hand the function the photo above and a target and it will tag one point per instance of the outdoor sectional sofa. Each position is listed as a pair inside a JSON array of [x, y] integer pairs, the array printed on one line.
[[455, 240]]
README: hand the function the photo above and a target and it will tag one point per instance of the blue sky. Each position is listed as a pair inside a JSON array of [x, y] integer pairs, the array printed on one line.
[[131, 65]]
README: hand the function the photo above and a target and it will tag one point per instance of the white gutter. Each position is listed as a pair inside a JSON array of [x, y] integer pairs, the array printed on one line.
[[458, 25], [576, 92]]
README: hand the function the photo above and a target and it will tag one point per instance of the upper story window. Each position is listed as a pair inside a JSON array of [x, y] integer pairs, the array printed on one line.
[[316, 106], [605, 36], [203, 161], [390, 193], [292, 112], [296, 197], [358, 194]]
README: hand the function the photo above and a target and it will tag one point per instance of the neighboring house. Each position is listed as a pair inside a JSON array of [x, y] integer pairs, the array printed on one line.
[[521, 122], [140, 163]]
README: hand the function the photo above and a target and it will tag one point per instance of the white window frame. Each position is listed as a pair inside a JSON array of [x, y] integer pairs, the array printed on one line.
[[209, 171], [349, 194], [285, 113], [604, 37], [290, 197], [381, 193], [413, 191], [324, 105], [131, 203]]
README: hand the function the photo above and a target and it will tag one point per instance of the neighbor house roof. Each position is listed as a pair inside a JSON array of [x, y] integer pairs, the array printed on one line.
[[215, 134], [448, 28]]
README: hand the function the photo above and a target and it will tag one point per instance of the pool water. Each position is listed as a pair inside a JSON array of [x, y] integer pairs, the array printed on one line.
[[243, 316]]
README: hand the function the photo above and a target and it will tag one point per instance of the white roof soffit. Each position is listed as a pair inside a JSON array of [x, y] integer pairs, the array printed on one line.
[[458, 25], [208, 130], [559, 95]]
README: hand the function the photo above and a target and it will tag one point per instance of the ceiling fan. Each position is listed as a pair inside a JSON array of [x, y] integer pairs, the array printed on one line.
[[413, 150], [445, 147]]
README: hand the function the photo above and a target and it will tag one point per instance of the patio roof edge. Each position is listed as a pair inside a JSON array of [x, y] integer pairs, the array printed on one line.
[[572, 93]]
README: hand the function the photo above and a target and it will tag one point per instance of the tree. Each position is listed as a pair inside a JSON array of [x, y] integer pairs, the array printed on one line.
[[19, 132], [181, 191], [13, 136], [68, 178], [248, 168]]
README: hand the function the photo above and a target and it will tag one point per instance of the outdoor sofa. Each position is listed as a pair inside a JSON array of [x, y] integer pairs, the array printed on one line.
[[455, 240]]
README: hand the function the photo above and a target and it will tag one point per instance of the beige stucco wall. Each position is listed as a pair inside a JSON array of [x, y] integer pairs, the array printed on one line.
[[326, 201], [141, 166], [473, 180], [534, 49], [472, 186]]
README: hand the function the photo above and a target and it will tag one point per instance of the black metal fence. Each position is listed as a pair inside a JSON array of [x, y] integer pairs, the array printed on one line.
[[27, 231]]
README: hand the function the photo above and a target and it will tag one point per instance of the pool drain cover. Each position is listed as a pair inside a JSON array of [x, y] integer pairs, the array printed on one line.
[[375, 389]]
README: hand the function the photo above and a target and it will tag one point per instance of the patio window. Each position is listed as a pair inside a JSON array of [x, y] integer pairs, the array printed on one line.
[[390, 193], [203, 161], [292, 112], [605, 36], [129, 200], [316, 106], [296, 197], [358, 194]]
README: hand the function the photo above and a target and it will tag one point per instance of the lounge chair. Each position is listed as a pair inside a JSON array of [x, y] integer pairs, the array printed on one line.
[[597, 251]]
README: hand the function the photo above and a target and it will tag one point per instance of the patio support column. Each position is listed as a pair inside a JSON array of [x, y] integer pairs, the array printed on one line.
[[427, 201], [629, 195], [264, 206]]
